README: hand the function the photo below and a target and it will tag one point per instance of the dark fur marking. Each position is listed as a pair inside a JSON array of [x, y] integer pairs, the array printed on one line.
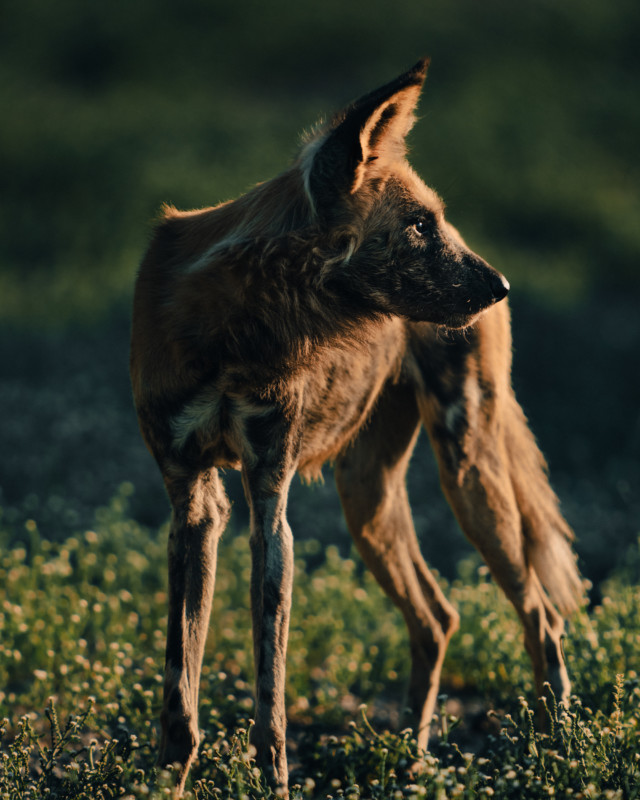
[[385, 118], [175, 702], [451, 450], [443, 364], [263, 429]]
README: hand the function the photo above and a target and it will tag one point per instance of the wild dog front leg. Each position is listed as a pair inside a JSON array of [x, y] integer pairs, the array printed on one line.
[[267, 485], [271, 586], [200, 513]]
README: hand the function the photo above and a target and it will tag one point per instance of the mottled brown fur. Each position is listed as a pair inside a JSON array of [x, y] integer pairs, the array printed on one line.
[[324, 316]]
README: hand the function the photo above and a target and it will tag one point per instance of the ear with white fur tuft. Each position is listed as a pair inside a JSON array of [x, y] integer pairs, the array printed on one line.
[[370, 130]]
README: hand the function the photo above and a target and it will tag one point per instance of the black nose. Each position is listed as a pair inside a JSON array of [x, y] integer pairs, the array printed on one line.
[[499, 286]]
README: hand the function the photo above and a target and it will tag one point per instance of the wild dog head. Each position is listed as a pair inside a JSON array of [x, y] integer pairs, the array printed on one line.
[[401, 256]]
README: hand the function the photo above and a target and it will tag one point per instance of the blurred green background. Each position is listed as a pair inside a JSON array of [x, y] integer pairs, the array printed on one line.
[[529, 128]]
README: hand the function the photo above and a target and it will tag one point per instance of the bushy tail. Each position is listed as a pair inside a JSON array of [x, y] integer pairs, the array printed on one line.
[[547, 535], [555, 564]]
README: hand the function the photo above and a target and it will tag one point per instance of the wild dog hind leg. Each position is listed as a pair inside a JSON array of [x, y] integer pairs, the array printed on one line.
[[370, 476]]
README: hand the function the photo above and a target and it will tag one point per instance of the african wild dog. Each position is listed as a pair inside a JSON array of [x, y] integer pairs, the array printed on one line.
[[300, 324]]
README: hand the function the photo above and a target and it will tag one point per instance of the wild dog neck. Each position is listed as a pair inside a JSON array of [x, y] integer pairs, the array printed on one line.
[[267, 295]]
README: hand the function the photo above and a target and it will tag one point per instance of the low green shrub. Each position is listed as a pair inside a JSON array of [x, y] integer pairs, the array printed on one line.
[[82, 633]]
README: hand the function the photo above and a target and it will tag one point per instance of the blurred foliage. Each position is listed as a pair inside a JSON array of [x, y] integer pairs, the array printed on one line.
[[87, 616], [530, 128]]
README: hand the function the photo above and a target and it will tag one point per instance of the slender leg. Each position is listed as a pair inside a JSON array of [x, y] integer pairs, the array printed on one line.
[[494, 478], [200, 513], [267, 476], [371, 480], [486, 509]]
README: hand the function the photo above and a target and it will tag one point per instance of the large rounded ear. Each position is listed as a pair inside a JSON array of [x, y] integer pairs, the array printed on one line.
[[372, 129]]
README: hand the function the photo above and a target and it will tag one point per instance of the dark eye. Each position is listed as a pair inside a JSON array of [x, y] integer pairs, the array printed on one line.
[[420, 226]]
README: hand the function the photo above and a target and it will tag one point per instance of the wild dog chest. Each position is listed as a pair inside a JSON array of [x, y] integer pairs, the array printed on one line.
[[322, 405]]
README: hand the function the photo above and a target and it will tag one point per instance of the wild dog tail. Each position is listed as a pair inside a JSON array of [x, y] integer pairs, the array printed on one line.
[[555, 565], [547, 535]]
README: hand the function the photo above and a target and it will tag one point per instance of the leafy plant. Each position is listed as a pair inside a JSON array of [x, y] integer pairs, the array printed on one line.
[[82, 626]]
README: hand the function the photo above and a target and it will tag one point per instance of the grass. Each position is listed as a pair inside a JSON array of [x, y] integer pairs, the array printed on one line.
[[82, 627]]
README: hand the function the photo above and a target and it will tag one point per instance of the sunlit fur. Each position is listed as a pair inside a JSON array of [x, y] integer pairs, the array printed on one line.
[[323, 317]]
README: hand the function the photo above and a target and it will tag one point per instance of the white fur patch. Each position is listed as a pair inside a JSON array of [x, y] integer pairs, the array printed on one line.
[[209, 255], [307, 158], [201, 414], [454, 413], [466, 408], [201, 417]]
